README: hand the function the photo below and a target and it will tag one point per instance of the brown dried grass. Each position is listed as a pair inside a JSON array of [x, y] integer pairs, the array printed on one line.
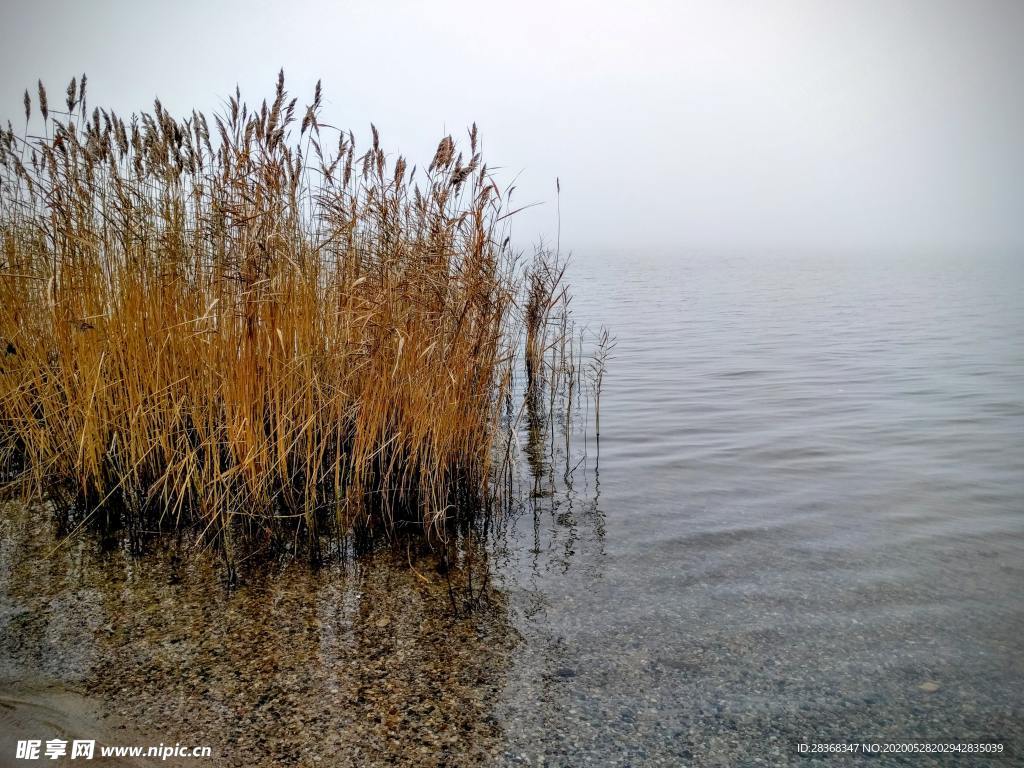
[[235, 327]]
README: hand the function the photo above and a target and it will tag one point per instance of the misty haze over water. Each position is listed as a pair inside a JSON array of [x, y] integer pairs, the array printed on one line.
[[727, 127]]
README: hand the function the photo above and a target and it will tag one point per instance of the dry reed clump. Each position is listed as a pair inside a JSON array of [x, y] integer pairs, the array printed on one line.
[[233, 326]]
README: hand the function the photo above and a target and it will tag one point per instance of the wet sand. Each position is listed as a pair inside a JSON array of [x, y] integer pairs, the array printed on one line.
[[37, 709]]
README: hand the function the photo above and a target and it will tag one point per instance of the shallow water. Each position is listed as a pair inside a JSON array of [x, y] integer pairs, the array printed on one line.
[[809, 504], [812, 496]]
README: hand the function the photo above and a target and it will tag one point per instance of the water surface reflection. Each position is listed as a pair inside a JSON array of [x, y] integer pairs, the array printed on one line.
[[359, 663]]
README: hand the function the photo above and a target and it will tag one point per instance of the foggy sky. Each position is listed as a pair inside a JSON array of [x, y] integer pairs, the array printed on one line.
[[867, 125]]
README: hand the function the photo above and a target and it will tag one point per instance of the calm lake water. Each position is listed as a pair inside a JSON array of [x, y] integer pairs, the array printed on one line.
[[812, 503], [806, 524]]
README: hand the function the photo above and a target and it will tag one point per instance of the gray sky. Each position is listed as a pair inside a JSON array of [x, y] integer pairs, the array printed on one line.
[[862, 125]]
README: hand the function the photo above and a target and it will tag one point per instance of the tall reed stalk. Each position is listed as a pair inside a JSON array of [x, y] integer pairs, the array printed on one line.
[[250, 326]]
